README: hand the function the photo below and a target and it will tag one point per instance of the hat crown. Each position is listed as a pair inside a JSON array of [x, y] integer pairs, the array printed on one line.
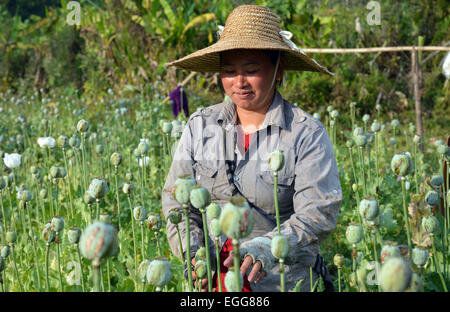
[[252, 21]]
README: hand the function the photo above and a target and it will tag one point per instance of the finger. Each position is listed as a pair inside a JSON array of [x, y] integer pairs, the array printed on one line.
[[204, 282], [260, 276], [246, 264], [228, 262], [255, 271]]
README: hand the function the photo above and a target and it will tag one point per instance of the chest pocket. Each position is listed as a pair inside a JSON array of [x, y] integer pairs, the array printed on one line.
[[285, 184], [204, 175]]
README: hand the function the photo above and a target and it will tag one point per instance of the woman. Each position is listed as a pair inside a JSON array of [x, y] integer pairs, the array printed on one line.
[[226, 146]]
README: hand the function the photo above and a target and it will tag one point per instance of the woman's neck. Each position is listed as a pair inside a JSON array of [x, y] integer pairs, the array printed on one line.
[[251, 120]]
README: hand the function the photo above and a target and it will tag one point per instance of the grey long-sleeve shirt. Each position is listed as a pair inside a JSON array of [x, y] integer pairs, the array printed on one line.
[[309, 192]]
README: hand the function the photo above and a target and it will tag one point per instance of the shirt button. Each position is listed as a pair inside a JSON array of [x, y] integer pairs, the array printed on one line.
[[236, 178]]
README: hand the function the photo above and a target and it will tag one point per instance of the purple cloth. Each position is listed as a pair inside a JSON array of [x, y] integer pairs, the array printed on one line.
[[175, 97]]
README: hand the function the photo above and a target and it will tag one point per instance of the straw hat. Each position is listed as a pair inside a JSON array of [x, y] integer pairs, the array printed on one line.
[[250, 27]]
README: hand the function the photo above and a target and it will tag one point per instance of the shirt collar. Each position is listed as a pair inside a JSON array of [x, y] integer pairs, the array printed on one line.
[[274, 116]]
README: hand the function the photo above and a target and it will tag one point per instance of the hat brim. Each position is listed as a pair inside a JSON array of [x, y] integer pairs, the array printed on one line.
[[208, 59]]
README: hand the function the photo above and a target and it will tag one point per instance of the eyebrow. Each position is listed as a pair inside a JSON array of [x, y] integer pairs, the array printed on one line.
[[245, 64]]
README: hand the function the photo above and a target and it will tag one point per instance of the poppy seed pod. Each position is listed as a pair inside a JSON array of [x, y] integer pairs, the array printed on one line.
[[376, 126], [416, 139], [98, 241], [395, 275], [24, 194], [350, 143], [139, 213], [395, 123], [116, 159], [368, 208], [354, 233], [99, 149], [279, 246], [230, 281], [43, 193], [98, 188], [88, 199], [4, 252], [62, 141], [317, 116], [236, 219], [48, 233], [338, 260], [154, 222], [329, 108], [34, 169], [104, 217], [127, 188], [443, 150], [420, 256], [74, 141], [183, 186], [74, 234], [214, 227], [166, 127], [358, 131], [276, 160], [200, 197], [360, 140], [129, 176], [366, 118], [57, 224], [390, 249], [213, 211], [200, 269], [11, 237], [175, 216], [82, 126], [437, 180], [142, 147], [142, 269], [370, 137], [334, 114], [392, 141], [402, 164], [159, 273], [432, 198], [200, 254], [430, 224]]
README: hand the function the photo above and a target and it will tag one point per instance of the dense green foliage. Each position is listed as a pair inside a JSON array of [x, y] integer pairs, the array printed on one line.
[[125, 42]]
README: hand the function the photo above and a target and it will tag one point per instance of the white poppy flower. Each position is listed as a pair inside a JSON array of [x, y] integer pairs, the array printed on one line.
[[12, 160], [46, 142]]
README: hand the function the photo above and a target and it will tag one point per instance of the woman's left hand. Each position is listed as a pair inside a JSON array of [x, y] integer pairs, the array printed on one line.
[[256, 274]]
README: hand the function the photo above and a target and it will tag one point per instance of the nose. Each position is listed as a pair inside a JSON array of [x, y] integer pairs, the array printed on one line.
[[240, 81]]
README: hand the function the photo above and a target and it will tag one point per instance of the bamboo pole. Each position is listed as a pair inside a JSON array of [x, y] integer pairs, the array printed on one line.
[[415, 68], [373, 50], [182, 84]]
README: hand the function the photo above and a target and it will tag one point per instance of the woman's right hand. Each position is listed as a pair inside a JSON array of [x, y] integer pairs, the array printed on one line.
[[256, 274]]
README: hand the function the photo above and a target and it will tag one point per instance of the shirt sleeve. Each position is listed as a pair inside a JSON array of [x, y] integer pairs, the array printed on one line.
[[182, 164], [317, 198]]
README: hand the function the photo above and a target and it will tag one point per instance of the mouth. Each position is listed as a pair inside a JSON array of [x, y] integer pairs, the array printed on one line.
[[243, 94]]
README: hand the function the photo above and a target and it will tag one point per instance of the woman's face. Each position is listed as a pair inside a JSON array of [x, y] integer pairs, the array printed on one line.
[[246, 77]]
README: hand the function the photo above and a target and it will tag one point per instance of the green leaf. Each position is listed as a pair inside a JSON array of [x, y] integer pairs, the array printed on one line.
[[168, 11]]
